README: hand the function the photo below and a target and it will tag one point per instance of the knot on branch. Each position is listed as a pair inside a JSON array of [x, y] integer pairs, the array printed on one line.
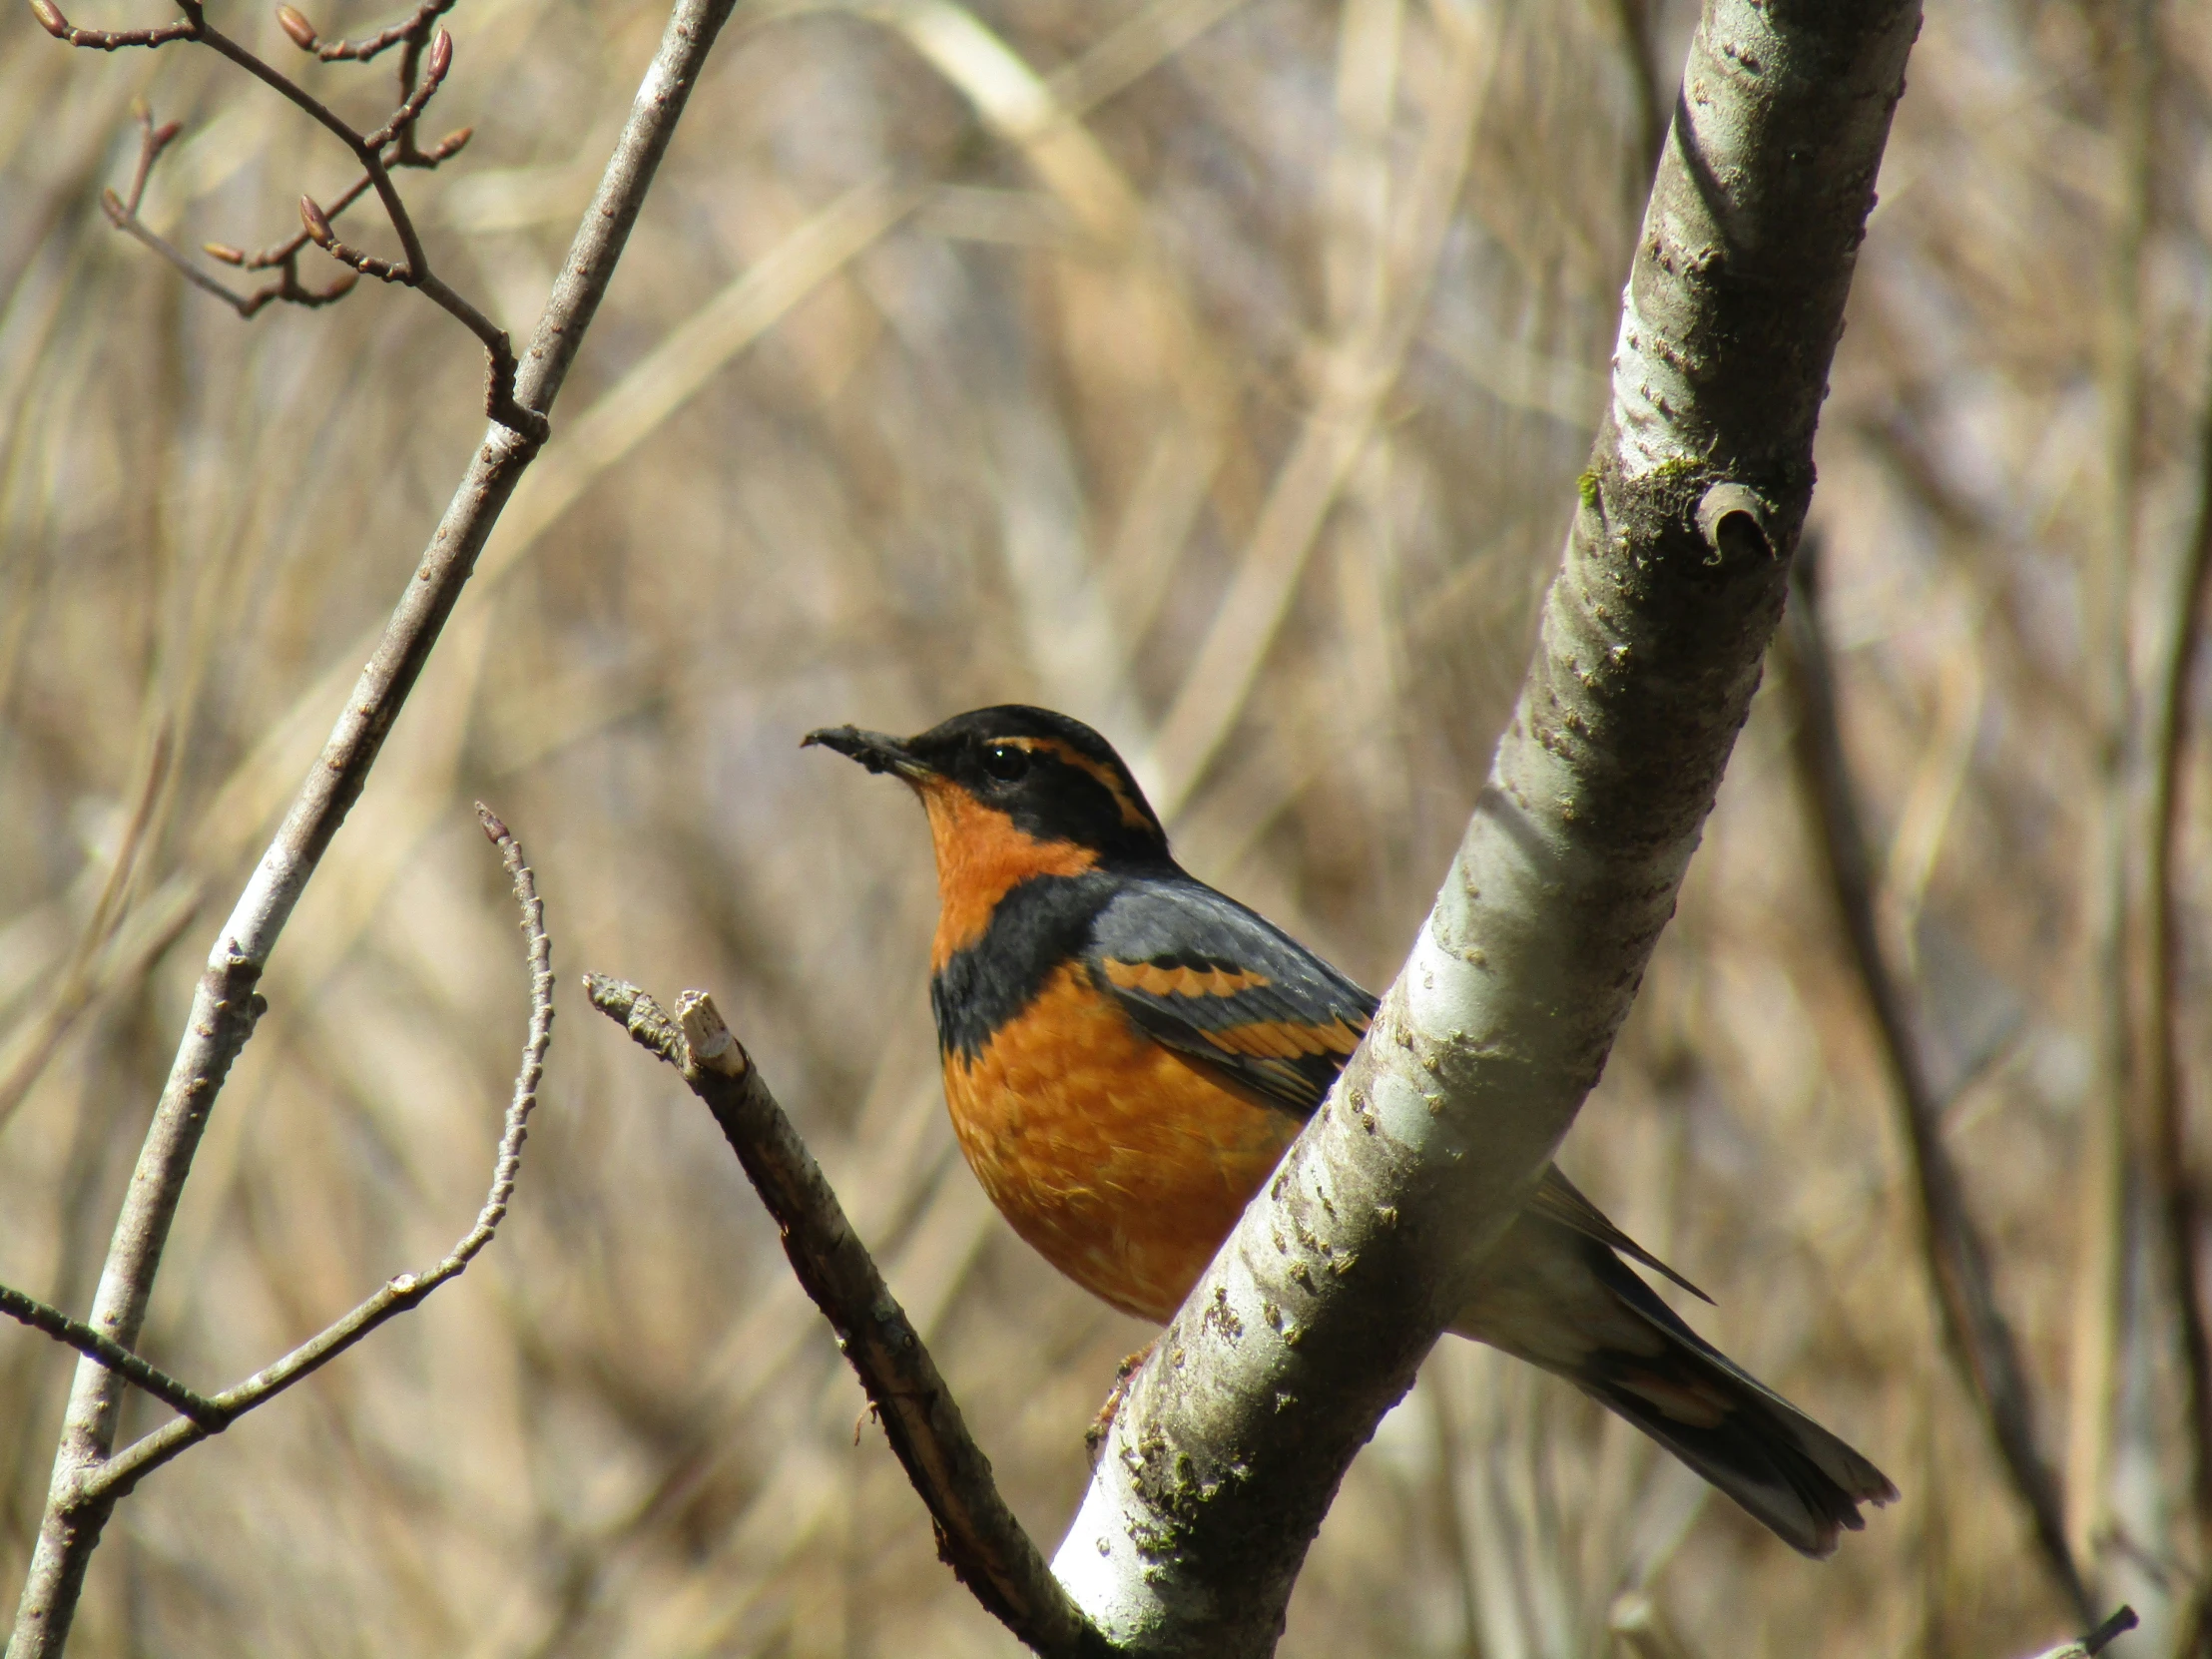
[[1732, 519]]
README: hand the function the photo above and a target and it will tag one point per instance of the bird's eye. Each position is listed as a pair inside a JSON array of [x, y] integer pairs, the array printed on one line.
[[1005, 761]]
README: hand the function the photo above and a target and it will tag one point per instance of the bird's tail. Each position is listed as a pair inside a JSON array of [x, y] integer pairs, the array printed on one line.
[[1646, 1365]]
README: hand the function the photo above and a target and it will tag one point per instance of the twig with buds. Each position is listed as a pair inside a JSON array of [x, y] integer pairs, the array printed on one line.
[[123, 213], [424, 61]]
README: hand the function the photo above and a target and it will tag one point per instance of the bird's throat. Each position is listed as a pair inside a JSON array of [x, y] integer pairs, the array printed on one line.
[[982, 856]]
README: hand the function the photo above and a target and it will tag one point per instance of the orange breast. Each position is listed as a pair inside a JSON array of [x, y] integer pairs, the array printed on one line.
[[1123, 1165]]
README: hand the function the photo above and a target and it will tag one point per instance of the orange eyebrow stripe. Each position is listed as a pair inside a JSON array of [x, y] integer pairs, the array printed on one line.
[[1155, 980], [1285, 1040], [1131, 814]]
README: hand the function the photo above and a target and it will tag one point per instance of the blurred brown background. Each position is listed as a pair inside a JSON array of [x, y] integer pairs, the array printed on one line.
[[1219, 373]]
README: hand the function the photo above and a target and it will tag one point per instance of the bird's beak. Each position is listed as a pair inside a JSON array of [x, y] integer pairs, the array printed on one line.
[[874, 750]]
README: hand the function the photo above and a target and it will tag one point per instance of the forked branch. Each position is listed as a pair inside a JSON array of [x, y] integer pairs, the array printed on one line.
[[423, 67], [123, 213], [97, 1487], [224, 1004]]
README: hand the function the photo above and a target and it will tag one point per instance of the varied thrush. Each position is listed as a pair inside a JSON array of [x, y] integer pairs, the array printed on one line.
[[1127, 1053]]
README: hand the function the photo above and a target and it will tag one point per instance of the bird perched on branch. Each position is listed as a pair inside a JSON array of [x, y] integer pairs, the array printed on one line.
[[1128, 1053]]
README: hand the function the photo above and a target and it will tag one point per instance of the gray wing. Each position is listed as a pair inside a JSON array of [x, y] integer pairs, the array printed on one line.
[[1210, 979]]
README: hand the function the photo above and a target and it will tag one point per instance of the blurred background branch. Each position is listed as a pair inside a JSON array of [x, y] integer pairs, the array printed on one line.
[[1956, 1254]]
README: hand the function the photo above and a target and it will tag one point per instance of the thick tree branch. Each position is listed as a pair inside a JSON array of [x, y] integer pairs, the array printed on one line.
[[224, 1004], [1956, 1256], [977, 1534], [1311, 1319]]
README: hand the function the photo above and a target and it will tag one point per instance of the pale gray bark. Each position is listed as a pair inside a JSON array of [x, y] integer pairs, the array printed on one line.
[[1313, 1317], [226, 1004]]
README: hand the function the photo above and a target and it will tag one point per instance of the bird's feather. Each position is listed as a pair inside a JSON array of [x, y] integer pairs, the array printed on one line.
[[1223, 986]]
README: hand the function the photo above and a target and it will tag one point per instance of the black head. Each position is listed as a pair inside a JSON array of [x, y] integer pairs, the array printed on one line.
[[1055, 778]]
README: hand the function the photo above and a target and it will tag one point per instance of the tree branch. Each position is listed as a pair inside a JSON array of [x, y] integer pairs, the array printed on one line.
[[40, 1315], [224, 1004], [977, 1534], [93, 1489], [2179, 652], [127, 1468], [414, 31], [1315, 1315], [418, 82], [1957, 1258], [2098, 1640], [123, 213]]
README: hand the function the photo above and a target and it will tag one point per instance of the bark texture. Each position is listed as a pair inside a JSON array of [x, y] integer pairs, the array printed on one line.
[[1314, 1317]]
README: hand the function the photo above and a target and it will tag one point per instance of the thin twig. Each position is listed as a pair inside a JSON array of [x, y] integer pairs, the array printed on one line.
[[500, 401], [1958, 1257], [224, 1004], [132, 1464], [40, 1315], [977, 1534], [123, 213], [414, 268], [302, 33], [54, 23], [91, 1491], [281, 253]]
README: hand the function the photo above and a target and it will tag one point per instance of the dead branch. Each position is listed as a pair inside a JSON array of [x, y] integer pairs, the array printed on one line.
[[225, 1005], [2098, 1640], [1956, 1255], [977, 1534]]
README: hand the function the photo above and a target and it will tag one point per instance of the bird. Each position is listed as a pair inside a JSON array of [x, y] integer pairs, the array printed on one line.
[[1128, 1052]]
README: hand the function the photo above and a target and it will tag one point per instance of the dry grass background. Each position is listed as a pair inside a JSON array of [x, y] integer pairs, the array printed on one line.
[[1239, 413]]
